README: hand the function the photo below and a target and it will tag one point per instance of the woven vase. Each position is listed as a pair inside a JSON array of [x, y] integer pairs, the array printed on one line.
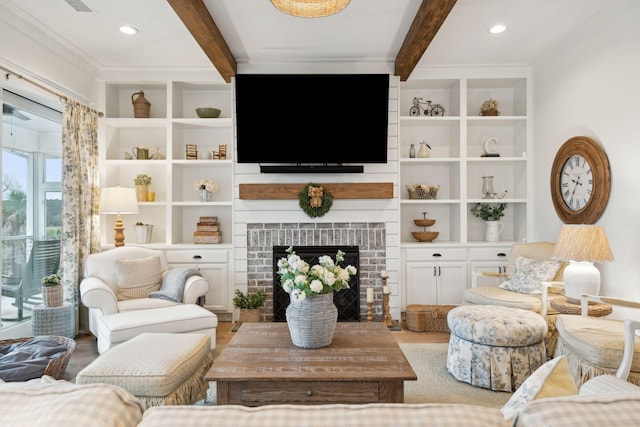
[[52, 296], [312, 321]]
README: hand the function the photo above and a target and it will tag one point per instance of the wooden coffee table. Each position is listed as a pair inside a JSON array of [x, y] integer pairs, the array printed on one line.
[[261, 366]]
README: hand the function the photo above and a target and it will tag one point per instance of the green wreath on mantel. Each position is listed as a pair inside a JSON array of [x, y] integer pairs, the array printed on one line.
[[315, 200]]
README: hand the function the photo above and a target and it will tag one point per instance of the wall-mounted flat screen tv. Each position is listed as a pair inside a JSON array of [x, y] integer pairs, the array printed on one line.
[[303, 119]]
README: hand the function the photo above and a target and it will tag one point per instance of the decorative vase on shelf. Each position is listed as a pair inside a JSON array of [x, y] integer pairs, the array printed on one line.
[[144, 233], [412, 152], [206, 196], [312, 321], [494, 228], [487, 187], [142, 192], [52, 296], [423, 152]]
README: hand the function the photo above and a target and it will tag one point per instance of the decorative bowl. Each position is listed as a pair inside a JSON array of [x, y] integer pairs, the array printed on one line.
[[424, 236], [208, 113], [424, 222]]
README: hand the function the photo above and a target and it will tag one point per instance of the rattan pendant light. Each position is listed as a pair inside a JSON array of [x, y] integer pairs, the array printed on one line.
[[310, 8]]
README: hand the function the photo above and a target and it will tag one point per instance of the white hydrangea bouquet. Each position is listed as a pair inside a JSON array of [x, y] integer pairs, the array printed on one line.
[[206, 184], [300, 280]]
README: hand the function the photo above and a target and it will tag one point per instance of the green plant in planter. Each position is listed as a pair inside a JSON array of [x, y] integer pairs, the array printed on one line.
[[142, 179], [51, 280], [489, 211], [249, 301]]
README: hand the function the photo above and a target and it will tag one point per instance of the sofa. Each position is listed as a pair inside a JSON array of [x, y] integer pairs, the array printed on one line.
[[605, 400]]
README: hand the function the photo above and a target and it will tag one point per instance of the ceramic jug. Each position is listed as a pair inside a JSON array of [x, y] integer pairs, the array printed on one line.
[[423, 152], [494, 228], [140, 153]]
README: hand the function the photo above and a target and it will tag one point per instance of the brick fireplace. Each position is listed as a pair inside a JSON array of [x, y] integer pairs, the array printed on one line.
[[369, 237]]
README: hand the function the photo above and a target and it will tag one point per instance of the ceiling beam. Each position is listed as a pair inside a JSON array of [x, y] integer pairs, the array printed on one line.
[[196, 17], [430, 16]]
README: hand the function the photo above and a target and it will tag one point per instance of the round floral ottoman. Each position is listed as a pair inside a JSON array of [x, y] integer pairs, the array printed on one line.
[[495, 347]]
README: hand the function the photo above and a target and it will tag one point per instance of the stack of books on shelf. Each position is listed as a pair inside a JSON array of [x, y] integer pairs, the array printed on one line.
[[208, 230]]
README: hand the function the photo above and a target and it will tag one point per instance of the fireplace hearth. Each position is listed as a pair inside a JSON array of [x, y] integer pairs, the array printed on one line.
[[347, 301], [368, 237]]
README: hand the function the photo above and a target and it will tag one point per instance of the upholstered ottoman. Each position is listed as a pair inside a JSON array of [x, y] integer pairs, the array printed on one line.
[[114, 329], [495, 347], [158, 368]]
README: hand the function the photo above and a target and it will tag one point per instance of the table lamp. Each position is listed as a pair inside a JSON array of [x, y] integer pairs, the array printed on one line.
[[582, 245], [118, 200]]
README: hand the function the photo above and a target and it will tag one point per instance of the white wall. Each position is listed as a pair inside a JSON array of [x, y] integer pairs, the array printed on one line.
[[28, 51], [590, 85]]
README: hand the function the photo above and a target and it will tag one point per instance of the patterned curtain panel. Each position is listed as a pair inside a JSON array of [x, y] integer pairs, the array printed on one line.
[[80, 219]]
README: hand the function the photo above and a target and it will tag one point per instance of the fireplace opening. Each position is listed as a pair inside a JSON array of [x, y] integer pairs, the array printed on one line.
[[347, 301]]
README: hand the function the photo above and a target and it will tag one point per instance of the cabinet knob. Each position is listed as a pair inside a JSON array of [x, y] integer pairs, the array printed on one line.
[[196, 257], [309, 393], [502, 254]]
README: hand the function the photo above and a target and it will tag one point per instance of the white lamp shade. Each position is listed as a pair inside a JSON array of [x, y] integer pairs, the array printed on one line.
[[118, 200]]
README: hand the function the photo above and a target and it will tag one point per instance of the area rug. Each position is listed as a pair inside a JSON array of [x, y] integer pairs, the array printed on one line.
[[434, 385]]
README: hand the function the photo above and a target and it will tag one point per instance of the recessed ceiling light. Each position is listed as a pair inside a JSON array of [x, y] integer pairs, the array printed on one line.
[[497, 29], [126, 29]]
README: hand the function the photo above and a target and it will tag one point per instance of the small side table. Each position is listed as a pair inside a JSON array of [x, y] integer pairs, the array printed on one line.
[[565, 307], [53, 320]]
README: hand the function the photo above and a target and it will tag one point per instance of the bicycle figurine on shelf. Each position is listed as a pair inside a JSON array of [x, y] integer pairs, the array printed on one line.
[[429, 110]]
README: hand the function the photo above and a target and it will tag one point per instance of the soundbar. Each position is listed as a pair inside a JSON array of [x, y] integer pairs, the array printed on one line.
[[311, 169]]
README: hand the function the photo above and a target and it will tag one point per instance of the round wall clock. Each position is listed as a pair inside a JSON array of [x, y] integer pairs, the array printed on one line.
[[580, 181]]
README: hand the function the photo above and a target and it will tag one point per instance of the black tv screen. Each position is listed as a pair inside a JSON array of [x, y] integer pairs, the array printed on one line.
[[312, 118]]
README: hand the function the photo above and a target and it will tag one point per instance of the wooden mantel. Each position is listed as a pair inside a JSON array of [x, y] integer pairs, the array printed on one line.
[[369, 190]]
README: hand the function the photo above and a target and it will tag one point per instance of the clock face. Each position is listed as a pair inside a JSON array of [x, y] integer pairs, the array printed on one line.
[[580, 181], [576, 182]]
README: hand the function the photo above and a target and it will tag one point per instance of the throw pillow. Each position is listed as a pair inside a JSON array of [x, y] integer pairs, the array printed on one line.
[[552, 379], [136, 278], [529, 273]]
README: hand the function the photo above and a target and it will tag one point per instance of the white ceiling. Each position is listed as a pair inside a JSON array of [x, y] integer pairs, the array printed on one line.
[[367, 34]]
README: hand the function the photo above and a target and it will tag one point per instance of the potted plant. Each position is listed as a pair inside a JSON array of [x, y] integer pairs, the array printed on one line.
[[142, 182], [52, 291], [491, 214], [249, 305], [489, 211]]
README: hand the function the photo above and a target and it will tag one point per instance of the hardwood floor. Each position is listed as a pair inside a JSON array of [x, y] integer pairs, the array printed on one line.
[[224, 334]]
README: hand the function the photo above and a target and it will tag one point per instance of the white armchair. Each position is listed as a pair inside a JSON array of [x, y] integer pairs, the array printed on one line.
[[117, 286]]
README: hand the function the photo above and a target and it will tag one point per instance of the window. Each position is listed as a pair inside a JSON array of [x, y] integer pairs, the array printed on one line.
[[31, 184]]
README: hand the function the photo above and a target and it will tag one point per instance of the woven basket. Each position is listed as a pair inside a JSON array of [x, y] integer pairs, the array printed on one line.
[[52, 296], [422, 193], [249, 315], [428, 318], [57, 366]]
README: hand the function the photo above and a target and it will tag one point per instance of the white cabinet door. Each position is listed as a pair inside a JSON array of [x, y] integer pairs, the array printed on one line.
[[487, 260], [216, 275], [436, 283], [213, 265], [452, 283]]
